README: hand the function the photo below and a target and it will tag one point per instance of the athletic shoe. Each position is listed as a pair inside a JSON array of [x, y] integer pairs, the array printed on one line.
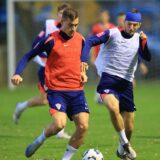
[[130, 153], [31, 149], [122, 157], [17, 113]]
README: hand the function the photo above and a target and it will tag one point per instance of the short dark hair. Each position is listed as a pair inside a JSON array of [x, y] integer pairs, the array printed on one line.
[[70, 13], [135, 10], [121, 14], [63, 6]]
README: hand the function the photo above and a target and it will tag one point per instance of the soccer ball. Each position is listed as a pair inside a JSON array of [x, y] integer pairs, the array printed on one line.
[[92, 154]]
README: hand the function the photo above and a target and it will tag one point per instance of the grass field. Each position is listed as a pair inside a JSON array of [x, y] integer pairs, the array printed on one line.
[[101, 135]]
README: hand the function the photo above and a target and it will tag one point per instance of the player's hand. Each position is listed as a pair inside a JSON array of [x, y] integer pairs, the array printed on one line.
[[16, 79], [143, 69], [142, 35], [84, 68], [84, 77]]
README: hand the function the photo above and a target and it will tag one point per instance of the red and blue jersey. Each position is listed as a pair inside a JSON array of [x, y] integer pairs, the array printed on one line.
[[63, 63]]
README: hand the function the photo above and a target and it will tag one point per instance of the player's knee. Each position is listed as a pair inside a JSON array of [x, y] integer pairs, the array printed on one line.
[[114, 110], [82, 128], [60, 126], [129, 128]]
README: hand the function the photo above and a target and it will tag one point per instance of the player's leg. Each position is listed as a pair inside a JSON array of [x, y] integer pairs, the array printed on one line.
[[33, 102], [128, 118], [127, 108], [108, 88], [79, 113], [81, 123], [59, 123], [58, 109], [112, 104]]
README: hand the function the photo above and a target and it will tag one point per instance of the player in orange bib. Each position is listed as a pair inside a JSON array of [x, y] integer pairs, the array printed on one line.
[[51, 25], [64, 78]]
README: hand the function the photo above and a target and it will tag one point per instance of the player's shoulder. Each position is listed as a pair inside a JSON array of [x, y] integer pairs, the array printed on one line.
[[111, 25], [50, 21], [137, 34], [55, 33], [78, 34], [52, 36], [114, 30]]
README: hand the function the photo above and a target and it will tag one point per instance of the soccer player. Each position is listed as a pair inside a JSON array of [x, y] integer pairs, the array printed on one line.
[[64, 78], [116, 64], [50, 27]]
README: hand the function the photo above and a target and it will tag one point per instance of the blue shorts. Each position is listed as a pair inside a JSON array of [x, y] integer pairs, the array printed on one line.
[[70, 102], [120, 88]]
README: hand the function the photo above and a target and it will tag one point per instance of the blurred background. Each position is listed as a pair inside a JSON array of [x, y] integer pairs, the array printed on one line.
[[30, 15], [20, 23]]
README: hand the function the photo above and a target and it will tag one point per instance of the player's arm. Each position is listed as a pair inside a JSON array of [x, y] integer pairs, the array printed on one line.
[[84, 67], [94, 41], [38, 58], [41, 35], [143, 48], [45, 45]]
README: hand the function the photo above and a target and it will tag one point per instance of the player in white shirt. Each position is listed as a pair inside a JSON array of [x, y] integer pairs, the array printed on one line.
[[116, 64]]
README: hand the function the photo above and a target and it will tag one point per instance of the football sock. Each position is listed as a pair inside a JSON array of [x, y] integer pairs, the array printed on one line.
[[60, 132], [120, 149], [41, 138], [123, 137], [69, 153], [22, 106]]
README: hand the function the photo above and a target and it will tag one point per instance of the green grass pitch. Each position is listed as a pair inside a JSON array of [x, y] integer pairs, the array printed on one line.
[[15, 138]]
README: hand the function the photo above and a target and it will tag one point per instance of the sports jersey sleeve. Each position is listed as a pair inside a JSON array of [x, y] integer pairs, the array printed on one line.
[[38, 60], [46, 44], [143, 50], [83, 43], [94, 41], [40, 36]]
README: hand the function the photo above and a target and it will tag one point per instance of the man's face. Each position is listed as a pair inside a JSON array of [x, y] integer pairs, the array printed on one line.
[[104, 17], [131, 27], [69, 26]]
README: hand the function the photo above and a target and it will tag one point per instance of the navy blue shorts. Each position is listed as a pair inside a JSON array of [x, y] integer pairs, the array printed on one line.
[[70, 102], [120, 88]]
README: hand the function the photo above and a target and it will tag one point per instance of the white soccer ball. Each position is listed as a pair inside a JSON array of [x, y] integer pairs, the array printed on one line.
[[92, 154]]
